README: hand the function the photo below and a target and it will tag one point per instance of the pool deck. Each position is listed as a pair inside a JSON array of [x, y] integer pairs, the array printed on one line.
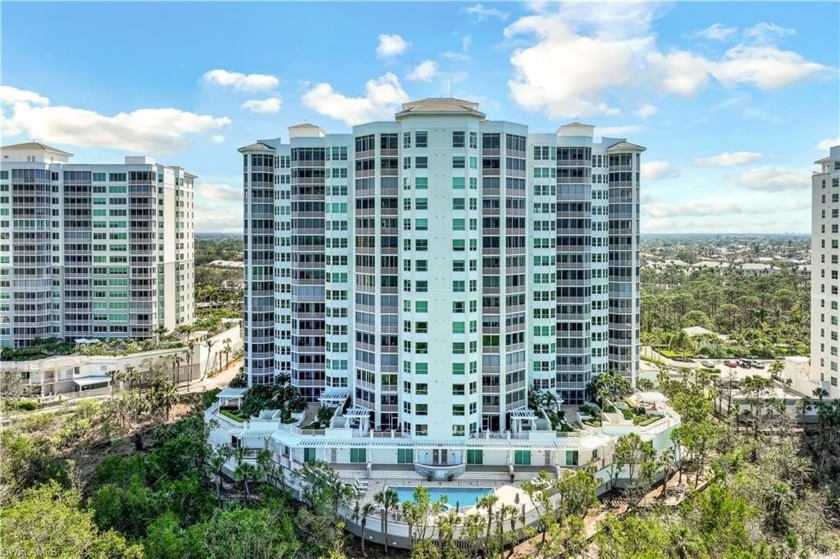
[[498, 481]]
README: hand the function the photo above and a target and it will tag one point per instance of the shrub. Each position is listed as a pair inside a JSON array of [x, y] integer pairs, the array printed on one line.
[[24, 405]]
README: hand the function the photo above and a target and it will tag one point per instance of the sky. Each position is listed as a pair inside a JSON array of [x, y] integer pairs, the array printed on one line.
[[734, 101]]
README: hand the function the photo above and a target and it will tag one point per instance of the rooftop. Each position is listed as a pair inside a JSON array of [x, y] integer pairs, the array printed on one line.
[[442, 106], [35, 145]]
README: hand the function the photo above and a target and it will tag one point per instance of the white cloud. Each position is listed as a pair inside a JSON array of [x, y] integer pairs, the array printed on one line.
[[571, 88], [241, 82], [382, 99], [424, 71], [270, 105], [218, 191], [692, 209], [460, 55], [217, 138], [828, 143], [656, 170], [728, 159], [7, 127], [680, 72], [715, 32], [646, 111], [213, 219], [720, 208], [774, 179], [159, 130], [764, 67], [766, 32], [11, 95], [391, 45], [480, 13], [617, 131], [617, 39]]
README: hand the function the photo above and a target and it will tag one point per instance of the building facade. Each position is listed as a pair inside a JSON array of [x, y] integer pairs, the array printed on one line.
[[825, 268], [92, 251], [436, 267]]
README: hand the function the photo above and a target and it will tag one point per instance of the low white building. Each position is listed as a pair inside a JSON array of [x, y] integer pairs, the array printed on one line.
[[79, 375]]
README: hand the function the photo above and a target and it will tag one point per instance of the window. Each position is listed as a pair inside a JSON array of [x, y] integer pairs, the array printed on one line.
[[421, 409], [309, 454], [406, 139], [458, 183], [358, 455], [421, 139], [458, 368], [421, 183], [458, 139], [475, 456], [421, 430], [473, 140], [571, 457], [458, 162], [421, 163]]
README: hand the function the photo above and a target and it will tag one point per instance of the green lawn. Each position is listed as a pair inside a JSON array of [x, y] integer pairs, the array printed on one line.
[[233, 415]]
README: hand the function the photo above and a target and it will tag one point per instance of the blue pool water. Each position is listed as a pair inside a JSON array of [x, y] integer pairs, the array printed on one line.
[[460, 496]]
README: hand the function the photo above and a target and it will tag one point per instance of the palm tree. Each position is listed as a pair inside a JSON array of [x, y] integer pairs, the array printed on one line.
[[360, 515], [177, 359], [488, 502], [820, 393], [776, 368], [244, 474], [217, 462], [160, 332], [208, 343], [227, 350], [389, 500], [505, 511], [667, 461]]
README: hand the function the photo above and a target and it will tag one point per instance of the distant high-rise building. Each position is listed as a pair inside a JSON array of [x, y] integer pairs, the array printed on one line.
[[437, 267], [825, 269], [92, 251]]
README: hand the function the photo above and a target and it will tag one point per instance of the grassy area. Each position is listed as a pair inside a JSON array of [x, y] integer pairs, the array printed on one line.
[[233, 415], [643, 420]]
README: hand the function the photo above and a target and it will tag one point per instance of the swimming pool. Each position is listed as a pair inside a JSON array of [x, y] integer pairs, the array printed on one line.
[[455, 496]]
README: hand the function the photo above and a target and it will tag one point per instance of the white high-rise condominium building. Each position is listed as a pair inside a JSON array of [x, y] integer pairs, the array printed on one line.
[[438, 266], [92, 251], [825, 269]]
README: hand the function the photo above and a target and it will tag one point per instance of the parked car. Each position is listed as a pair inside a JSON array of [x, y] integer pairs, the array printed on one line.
[[745, 363], [730, 363], [708, 364], [757, 364]]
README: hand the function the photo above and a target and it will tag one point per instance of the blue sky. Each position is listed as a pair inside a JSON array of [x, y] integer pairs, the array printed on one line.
[[734, 101]]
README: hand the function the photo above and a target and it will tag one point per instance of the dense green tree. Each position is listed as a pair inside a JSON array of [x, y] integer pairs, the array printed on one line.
[[49, 521]]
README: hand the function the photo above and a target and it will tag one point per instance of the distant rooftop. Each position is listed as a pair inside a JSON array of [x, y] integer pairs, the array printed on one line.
[[256, 146], [440, 105], [35, 145]]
